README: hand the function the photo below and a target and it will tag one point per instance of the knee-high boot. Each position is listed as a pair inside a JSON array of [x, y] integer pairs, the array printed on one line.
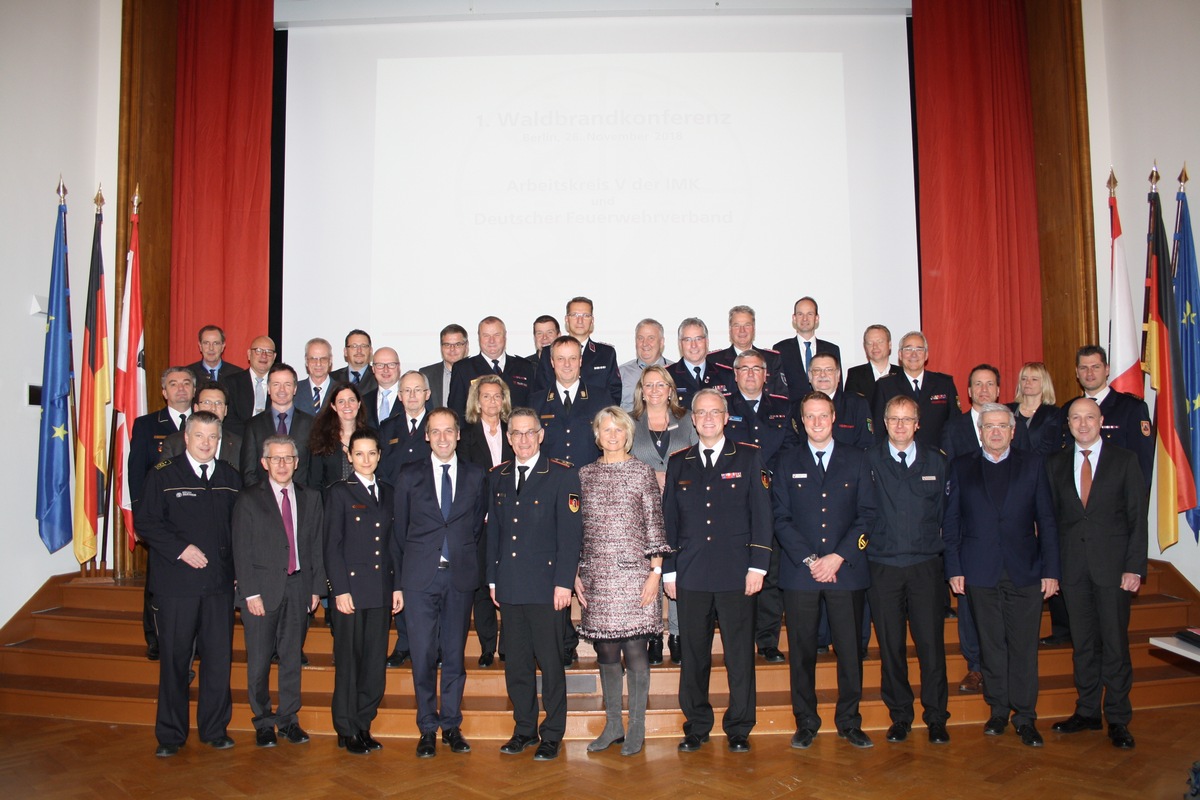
[[611, 684], [639, 690]]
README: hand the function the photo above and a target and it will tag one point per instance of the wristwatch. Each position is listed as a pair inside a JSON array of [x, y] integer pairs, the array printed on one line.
[[656, 570]]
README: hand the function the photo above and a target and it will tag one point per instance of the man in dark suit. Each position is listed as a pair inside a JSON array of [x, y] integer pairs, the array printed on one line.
[[492, 358], [717, 511], [454, 344], [439, 519], [282, 418], [313, 391], [567, 407], [696, 369], [534, 534], [381, 401], [824, 482], [280, 567], [247, 390], [1100, 504], [1002, 550], [933, 391], [185, 518], [598, 369], [210, 397], [797, 352], [357, 353], [212, 347], [877, 345], [545, 331], [741, 339]]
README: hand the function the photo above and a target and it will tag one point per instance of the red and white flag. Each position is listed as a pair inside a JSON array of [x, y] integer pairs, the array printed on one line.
[[129, 382], [1124, 337]]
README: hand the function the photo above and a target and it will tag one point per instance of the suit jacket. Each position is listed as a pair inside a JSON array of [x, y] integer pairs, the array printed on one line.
[[304, 392], [598, 369], [202, 374], [853, 426], [435, 373], [959, 437], [261, 428], [938, 403], [239, 395], [400, 446], [1108, 537], [766, 429], [420, 529], [178, 509], [569, 436], [718, 521], [260, 546], [230, 452], [366, 384], [1018, 536], [819, 516], [861, 380], [777, 379], [683, 434], [371, 401], [1126, 424], [533, 538], [147, 439], [473, 445], [324, 471], [518, 374], [716, 376], [792, 360], [358, 536], [1043, 434]]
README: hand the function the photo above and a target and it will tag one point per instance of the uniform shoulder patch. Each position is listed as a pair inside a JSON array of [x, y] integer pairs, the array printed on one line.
[[166, 462], [1146, 428], [766, 350], [561, 463], [766, 479], [719, 365], [749, 444], [501, 465], [573, 503]]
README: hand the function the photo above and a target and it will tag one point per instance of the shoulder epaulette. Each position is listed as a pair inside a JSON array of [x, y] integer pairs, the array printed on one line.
[[681, 450], [723, 365], [780, 397], [749, 444], [562, 463], [501, 464], [597, 341], [766, 350], [166, 462]]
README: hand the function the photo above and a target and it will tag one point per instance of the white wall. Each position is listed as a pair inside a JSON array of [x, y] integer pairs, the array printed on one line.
[[59, 91], [1142, 61]]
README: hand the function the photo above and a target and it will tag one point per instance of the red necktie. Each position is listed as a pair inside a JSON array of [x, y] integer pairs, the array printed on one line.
[[1085, 477]]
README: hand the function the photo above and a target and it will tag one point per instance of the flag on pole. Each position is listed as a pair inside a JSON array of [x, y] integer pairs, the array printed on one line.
[[54, 443], [91, 438], [1187, 302], [1123, 351], [1176, 488], [129, 381]]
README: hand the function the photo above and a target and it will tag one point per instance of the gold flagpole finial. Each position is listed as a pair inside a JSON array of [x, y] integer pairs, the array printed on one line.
[[137, 200], [99, 198], [1112, 183], [61, 191], [1183, 178], [1154, 176]]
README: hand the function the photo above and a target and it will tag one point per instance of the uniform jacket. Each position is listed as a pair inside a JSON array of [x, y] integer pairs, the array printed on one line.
[[766, 429], [861, 380], [230, 451], [910, 506], [569, 436], [853, 426], [777, 381], [938, 403], [147, 439], [358, 536], [518, 374], [715, 377], [598, 369]]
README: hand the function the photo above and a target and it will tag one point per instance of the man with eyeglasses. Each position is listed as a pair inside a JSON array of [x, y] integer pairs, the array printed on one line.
[[855, 426], [281, 418], [211, 398], [212, 347], [696, 369], [279, 563], [246, 391], [907, 571], [598, 366], [934, 391], [1007, 565], [741, 339], [649, 340], [357, 353], [318, 361], [383, 402], [493, 358], [454, 344], [796, 353]]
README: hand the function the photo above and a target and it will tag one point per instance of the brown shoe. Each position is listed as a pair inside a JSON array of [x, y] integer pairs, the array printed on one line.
[[972, 683]]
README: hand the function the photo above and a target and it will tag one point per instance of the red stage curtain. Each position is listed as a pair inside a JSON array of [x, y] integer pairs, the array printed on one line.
[[221, 215], [980, 274]]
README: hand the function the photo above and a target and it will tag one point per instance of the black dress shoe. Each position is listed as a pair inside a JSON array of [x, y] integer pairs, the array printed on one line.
[[397, 658], [673, 646], [1030, 736], [739, 744], [517, 744], [772, 655], [1120, 735], [951, 613], [938, 733], [899, 731], [152, 654], [427, 746], [995, 726], [856, 737], [1076, 723], [353, 744], [1053, 640], [220, 743], [166, 750], [303, 659], [655, 650], [823, 650], [369, 741], [265, 737], [802, 739], [454, 738], [547, 751], [691, 743], [294, 733], [570, 656], [487, 659]]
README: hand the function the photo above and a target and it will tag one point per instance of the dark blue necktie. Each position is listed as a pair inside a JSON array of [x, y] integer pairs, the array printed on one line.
[[447, 501], [821, 464], [807, 355]]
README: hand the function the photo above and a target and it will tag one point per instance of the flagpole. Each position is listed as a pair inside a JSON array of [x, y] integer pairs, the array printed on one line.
[[72, 411], [1146, 299], [102, 553]]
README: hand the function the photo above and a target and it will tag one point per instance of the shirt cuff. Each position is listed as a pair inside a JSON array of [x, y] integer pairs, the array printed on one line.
[[759, 571], [253, 596], [668, 577]]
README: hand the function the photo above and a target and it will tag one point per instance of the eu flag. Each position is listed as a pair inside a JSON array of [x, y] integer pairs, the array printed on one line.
[[1187, 305], [54, 507]]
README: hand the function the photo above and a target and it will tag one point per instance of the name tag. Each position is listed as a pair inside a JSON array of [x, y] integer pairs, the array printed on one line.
[[547, 416], [186, 493], [683, 483], [929, 477], [728, 476], [735, 419], [602, 366], [357, 506], [799, 475], [519, 380]]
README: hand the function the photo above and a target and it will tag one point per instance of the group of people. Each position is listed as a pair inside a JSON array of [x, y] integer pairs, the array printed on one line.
[[744, 484]]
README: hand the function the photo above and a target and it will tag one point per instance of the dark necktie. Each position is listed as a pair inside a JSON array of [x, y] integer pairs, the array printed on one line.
[[697, 371], [496, 366], [374, 496], [316, 399], [1085, 477], [413, 429], [807, 355], [903, 459], [821, 464], [354, 377], [755, 407], [204, 473], [567, 402], [214, 373], [447, 502], [182, 421], [285, 508], [521, 477], [916, 386], [281, 428], [708, 458]]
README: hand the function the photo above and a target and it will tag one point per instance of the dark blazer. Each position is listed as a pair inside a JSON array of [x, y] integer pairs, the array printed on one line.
[[792, 360], [938, 403], [861, 380], [434, 373], [534, 538], [853, 426], [358, 536], [324, 471], [569, 437], [959, 436], [1019, 536], [202, 374], [473, 445], [598, 368], [366, 384], [1043, 434], [177, 509], [262, 427], [400, 445], [777, 380], [260, 546], [1108, 537], [718, 521], [239, 397], [1126, 424], [767, 429], [518, 374], [304, 395], [716, 376], [420, 529], [819, 516], [370, 401], [147, 439], [230, 452]]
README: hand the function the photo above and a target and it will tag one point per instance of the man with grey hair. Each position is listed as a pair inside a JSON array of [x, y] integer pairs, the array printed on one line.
[[649, 340], [741, 338], [934, 392], [313, 391], [696, 369]]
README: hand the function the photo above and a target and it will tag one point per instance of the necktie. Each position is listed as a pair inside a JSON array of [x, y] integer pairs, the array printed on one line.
[[755, 406], [413, 428], [916, 386], [285, 509], [214, 372], [260, 398], [903, 459], [821, 464], [708, 458], [204, 473], [567, 402], [281, 428], [496, 365], [316, 399], [1085, 477], [447, 502], [354, 377], [182, 421], [385, 403], [697, 371], [374, 496], [807, 355], [521, 477]]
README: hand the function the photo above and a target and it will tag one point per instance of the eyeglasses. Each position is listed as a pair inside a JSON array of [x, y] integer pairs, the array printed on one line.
[[411, 392], [358, 347], [578, 315], [653, 387], [744, 370], [262, 351], [454, 345], [212, 403], [318, 359], [995, 426], [281, 459], [524, 434], [210, 345], [823, 370], [386, 365], [707, 412], [693, 339], [901, 420], [913, 349]]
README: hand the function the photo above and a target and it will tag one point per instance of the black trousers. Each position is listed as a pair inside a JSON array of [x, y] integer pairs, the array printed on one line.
[[279, 631], [911, 597], [1100, 637], [360, 673], [533, 637], [1008, 619], [698, 612], [844, 608], [483, 609], [768, 617], [207, 623]]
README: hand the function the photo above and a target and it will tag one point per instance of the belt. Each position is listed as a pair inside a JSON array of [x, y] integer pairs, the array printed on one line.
[[443, 564]]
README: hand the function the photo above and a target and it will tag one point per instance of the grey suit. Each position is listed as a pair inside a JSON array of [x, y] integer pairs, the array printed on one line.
[[304, 393], [439, 385], [631, 373], [683, 435]]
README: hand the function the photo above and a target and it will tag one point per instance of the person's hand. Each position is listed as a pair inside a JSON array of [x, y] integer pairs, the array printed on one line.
[[669, 588], [194, 557], [1131, 581], [255, 606], [754, 582], [344, 603], [495, 602], [1049, 588], [562, 597], [825, 568], [316, 601], [579, 591], [649, 589], [958, 584], [397, 601]]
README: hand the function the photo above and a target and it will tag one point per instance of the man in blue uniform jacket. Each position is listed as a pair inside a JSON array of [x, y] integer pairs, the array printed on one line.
[[598, 368]]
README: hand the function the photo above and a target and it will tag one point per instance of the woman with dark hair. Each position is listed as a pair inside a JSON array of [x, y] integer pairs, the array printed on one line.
[[330, 438]]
